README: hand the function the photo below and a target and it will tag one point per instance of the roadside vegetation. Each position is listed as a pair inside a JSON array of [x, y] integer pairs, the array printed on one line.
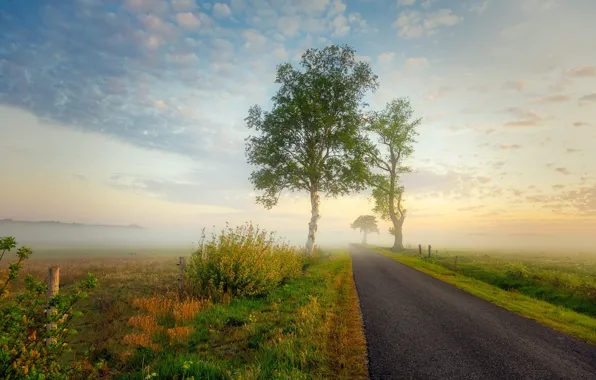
[[254, 308], [558, 292]]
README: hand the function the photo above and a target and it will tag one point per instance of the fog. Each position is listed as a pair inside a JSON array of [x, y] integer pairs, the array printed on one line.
[[56, 234]]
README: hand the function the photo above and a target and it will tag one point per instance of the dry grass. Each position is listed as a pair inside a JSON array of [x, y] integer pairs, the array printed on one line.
[[187, 310], [179, 334], [347, 344], [140, 340], [106, 320]]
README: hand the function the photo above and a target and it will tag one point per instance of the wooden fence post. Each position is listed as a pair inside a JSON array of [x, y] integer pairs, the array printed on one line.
[[420, 249], [429, 250], [182, 265], [53, 288]]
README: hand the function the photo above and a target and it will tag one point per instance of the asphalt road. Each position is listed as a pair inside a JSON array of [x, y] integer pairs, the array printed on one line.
[[418, 327]]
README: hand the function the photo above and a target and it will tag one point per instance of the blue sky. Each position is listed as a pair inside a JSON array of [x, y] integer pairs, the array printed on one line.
[[139, 104]]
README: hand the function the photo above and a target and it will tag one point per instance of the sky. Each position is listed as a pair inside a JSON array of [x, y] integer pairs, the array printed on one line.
[[132, 111]]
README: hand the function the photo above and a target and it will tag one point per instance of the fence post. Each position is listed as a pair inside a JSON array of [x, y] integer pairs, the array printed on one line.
[[420, 249], [182, 265], [53, 288], [429, 250]]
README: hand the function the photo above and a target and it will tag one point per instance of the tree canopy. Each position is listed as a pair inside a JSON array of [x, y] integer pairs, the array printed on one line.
[[396, 132], [366, 224], [312, 139]]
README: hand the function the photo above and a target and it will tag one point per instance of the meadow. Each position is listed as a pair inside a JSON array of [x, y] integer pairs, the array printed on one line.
[[265, 311], [563, 279]]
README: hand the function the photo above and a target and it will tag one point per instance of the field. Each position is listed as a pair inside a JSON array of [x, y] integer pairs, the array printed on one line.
[[556, 289], [307, 328]]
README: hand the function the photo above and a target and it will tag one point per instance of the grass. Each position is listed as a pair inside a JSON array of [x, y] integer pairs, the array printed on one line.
[[309, 327], [485, 281]]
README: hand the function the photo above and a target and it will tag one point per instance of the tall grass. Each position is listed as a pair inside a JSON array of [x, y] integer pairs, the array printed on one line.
[[245, 261]]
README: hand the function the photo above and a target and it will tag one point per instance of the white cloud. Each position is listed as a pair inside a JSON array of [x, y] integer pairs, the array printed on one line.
[[416, 63], [359, 23], [188, 20], [340, 26], [255, 41], [414, 24], [289, 26], [385, 58], [221, 10], [405, 3]]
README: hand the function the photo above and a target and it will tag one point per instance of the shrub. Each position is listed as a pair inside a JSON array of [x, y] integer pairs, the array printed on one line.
[[245, 261], [23, 320], [516, 270]]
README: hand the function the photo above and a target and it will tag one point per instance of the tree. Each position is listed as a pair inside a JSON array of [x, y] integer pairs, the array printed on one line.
[[313, 140], [366, 224], [396, 132]]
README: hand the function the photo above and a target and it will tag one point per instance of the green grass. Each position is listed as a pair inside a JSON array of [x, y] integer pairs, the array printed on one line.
[[308, 328], [484, 281], [566, 280]]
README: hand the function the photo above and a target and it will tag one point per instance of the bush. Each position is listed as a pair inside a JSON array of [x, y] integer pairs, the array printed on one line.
[[516, 270], [245, 261], [23, 320]]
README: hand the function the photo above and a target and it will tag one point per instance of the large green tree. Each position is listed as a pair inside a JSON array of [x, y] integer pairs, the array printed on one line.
[[312, 140], [366, 224], [395, 130]]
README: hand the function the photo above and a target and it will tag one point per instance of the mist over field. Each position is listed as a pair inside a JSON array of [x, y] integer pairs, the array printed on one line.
[[57, 234]]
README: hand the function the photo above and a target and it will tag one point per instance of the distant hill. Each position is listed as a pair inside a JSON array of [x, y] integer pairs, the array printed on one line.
[[48, 223], [39, 233]]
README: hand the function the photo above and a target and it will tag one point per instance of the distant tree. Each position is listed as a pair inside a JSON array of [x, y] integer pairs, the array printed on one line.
[[366, 224], [396, 132], [312, 140]]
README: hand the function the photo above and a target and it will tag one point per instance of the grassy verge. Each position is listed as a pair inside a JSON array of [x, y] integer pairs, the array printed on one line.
[[308, 328], [557, 317]]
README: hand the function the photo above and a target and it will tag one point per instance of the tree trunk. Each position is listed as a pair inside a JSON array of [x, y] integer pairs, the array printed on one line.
[[312, 225], [364, 237], [398, 237]]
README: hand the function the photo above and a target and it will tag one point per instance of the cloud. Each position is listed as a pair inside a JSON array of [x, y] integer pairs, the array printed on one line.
[[415, 24], [582, 72], [405, 3], [510, 147], [340, 26], [440, 93], [80, 177], [480, 88], [526, 117], [385, 58], [188, 20], [562, 170], [552, 99], [478, 7], [518, 85], [418, 63], [580, 124], [221, 10], [572, 150], [590, 98]]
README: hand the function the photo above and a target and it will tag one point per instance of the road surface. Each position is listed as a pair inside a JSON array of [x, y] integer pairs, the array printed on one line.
[[418, 327]]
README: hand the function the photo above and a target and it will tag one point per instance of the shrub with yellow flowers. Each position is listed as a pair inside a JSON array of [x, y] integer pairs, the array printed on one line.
[[245, 261]]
